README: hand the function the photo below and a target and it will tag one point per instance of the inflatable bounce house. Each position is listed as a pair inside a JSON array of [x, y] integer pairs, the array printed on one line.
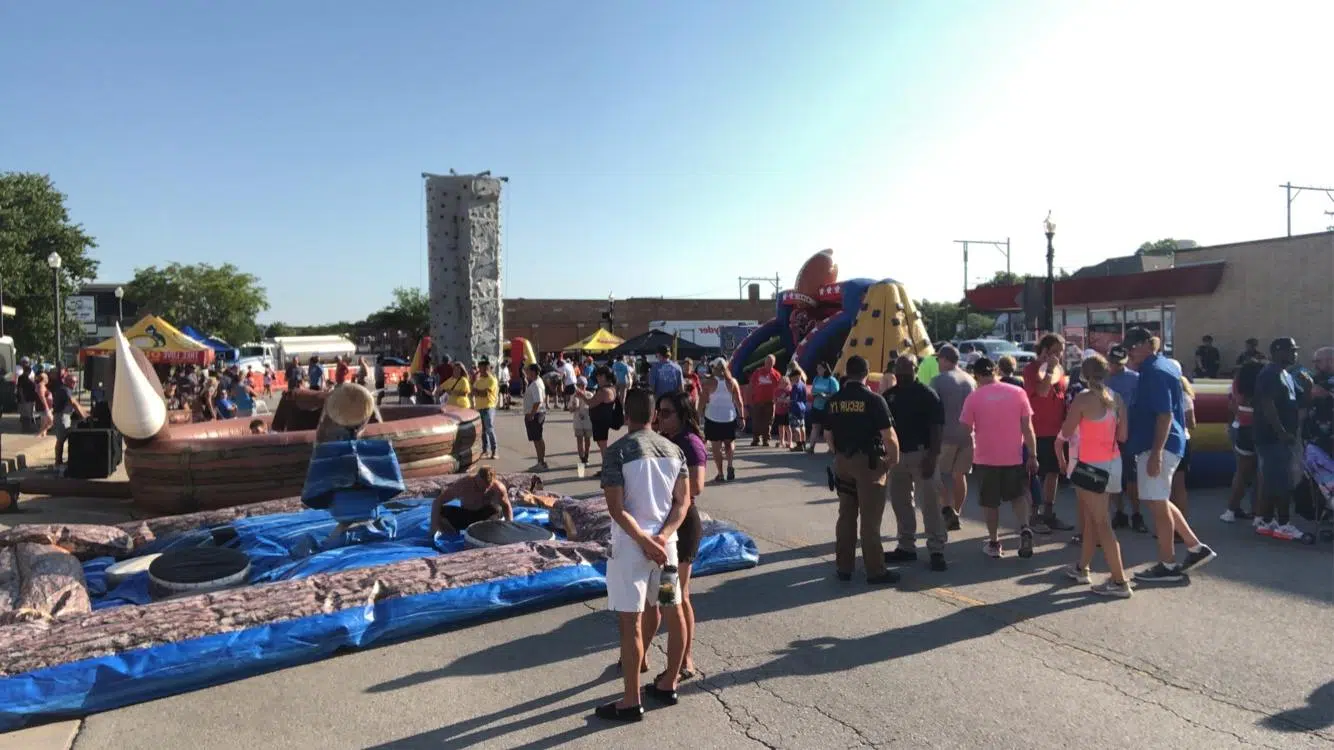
[[823, 319]]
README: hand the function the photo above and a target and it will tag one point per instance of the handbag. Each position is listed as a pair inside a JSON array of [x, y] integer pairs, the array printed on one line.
[[1090, 478]]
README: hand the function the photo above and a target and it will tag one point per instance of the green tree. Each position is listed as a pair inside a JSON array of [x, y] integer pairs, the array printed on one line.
[[220, 301], [410, 312], [1002, 278], [1166, 246], [33, 224], [277, 328], [942, 321]]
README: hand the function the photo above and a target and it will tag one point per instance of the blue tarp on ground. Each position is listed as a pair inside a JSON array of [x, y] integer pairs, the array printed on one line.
[[108, 682]]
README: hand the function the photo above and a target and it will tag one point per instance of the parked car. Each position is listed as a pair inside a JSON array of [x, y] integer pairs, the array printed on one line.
[[993, 349]]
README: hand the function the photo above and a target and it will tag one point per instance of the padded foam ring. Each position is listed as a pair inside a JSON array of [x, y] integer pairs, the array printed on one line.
[[196, 571], [496, 533]]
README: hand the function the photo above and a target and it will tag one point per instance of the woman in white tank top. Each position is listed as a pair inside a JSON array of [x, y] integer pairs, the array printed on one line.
[[722, 409]]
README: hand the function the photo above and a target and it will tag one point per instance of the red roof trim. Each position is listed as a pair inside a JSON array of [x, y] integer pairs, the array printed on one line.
[[1169, 283]]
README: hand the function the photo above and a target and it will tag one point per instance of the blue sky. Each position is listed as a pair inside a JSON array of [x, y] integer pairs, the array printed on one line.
[[663, 148]]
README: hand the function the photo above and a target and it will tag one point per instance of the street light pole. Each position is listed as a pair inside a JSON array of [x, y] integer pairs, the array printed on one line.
[[1049, 311], [53, 260], [120, 305]]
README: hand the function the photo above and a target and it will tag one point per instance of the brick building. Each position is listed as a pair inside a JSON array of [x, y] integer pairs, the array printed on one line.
[[555, 323], [1262, 289]]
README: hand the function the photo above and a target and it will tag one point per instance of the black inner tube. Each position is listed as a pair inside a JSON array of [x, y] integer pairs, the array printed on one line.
[[198, 565]]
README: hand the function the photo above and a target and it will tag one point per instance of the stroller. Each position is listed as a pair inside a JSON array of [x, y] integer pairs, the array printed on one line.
[[1314, 497]]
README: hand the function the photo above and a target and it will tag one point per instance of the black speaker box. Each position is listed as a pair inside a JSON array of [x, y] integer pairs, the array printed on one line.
[[93, 453]]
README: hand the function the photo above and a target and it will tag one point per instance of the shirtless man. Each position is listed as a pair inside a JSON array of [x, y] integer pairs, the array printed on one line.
[[483, 499]]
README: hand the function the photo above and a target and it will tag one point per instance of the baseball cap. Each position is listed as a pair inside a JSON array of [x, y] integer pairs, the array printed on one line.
[[1117, 354], [1284, 344], [1135, 336], [984, 366]]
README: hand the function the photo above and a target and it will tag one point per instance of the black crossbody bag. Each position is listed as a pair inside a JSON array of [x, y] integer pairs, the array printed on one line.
[[1089, 477]]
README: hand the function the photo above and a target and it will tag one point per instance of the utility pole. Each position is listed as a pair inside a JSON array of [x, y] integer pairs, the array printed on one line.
[[776, 282], [1295, 190], [1004, 249]]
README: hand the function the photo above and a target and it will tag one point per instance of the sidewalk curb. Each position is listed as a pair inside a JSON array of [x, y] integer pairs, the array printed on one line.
[[56, 736]]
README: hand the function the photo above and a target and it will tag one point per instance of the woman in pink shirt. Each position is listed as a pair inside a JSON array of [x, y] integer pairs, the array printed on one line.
[[1098, 417]]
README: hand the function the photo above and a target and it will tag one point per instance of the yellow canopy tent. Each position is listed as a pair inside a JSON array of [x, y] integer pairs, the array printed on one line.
[[600, 341], [160, 341]]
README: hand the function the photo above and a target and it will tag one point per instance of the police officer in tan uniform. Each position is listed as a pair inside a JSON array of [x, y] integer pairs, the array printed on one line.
[[861, 435]]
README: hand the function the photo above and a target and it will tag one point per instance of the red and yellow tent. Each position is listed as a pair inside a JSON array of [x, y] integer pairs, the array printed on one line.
[[160, 341]]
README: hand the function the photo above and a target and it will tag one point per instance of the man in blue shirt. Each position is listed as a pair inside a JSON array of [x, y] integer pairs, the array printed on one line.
[[666, 376], [1158, 440], [621, 370], [315, 375], [1278, 443], [1123, 382]]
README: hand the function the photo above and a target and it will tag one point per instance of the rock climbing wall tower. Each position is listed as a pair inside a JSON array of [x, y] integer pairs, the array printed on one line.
[[464, 254]]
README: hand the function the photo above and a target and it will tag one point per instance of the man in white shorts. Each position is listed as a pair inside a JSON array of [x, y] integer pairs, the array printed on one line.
[[645, 481], [1158, 440]]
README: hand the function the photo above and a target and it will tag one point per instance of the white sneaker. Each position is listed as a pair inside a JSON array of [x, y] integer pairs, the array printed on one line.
[[1257, 522], [992, 549], [1228, 516], [1288, 533], [1266, 529], [1076, 573]]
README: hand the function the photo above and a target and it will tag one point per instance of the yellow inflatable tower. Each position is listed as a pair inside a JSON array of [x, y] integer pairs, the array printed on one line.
[[888, 322]]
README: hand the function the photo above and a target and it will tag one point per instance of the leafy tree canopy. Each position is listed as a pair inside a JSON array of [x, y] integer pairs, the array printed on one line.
[[942, 320], [33, 224], [410, 312], [218, 300], [1166, 246]]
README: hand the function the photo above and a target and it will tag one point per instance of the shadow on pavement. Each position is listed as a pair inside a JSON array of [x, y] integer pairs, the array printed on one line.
[[1317, 714]]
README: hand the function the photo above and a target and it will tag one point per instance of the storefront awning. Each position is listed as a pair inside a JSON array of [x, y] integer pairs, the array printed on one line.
[[1169, 283]]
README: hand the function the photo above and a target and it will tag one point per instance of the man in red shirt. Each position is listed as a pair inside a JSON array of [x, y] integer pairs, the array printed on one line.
[[1045, 382], [763, 383], [341, 371]]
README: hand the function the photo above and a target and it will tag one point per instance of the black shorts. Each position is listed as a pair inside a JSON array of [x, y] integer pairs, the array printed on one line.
[[1243, 439], [601, 430], [796, 420], [1047, 463], [719, 432], [533, 424], [461, 518], [817, 417], [997, 485], [569, 390], [688, 535]]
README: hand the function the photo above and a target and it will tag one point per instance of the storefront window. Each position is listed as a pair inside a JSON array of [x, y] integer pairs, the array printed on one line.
[[1077, 317], [1146, 317], [1169, 324], [1104, 329]]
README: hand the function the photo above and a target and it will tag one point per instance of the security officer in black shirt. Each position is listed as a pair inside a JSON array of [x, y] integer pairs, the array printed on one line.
[[919, 420], [861, 435]]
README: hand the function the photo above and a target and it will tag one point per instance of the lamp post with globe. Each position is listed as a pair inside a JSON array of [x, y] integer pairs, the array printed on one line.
[[1049, 308], [120, 305], [53, 261]]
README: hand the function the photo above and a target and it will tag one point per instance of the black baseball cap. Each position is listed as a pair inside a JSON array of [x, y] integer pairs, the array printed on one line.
[[1135, 336], [1283, 344], [1117, 353], [984, 366]]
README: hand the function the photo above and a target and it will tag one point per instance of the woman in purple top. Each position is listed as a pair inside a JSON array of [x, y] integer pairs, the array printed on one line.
[[678, 420]]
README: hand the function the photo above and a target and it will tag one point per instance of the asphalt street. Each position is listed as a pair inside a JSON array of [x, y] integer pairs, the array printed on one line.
[[992, 653]]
